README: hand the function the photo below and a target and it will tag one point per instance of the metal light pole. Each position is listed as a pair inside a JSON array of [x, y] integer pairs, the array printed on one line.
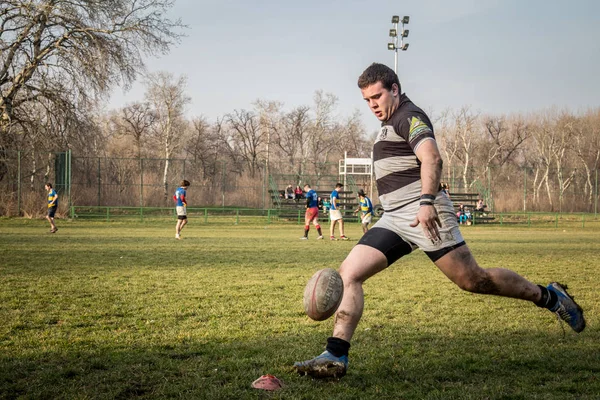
[[398, 43]]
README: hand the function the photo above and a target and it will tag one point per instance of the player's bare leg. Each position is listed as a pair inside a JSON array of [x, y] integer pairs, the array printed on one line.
[[318, 228], [342, 235], [183, 223], [180, 224], [461, 268], [52, 225], [332, 230], [365, 228], [362, 263]]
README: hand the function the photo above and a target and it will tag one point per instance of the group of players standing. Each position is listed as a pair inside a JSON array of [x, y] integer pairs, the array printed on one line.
[[365, 207]]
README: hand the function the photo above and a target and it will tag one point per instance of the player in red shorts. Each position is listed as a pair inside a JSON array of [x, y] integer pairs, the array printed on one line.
[[312, 212]]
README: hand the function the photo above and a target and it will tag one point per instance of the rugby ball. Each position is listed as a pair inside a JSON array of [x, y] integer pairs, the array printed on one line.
[[323, 294]]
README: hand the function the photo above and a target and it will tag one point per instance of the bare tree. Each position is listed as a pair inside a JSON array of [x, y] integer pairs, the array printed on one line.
[[246, 137], [270, 116], [136, 120], [322, 139], [168, 98], [291, 134], [448, 141], [350, 135], [69, 51], [586, 133]]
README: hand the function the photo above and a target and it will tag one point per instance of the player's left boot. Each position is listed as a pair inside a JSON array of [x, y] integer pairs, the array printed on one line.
[[343, 237], [566, 308], [325, 365]]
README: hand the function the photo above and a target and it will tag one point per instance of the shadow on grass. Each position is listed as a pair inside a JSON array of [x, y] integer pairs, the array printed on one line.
[[383, 364]]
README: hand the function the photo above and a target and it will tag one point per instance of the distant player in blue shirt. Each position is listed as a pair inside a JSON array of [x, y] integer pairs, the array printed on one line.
[[335, 214], [52, 206], [312, 212], [366, 210], [181, 207]]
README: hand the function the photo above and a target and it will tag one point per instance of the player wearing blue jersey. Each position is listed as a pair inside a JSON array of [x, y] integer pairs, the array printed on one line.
[[366, 210], [312, 212], [181, 207], [335, 214], [52, 201]]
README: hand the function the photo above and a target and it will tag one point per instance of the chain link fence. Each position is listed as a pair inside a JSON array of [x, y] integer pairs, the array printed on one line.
[[145, 182]]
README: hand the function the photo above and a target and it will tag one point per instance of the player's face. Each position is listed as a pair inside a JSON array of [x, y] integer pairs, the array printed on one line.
[[381, 101]]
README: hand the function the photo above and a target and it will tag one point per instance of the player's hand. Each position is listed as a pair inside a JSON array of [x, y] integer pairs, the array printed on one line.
[[430, 222]]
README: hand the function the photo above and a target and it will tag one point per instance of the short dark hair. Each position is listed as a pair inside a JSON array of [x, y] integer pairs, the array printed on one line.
[[379, 73], [339, 185], [49, 185], [184, 183]]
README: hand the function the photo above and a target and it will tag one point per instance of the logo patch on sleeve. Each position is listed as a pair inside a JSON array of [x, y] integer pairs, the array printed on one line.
[[417, 128]]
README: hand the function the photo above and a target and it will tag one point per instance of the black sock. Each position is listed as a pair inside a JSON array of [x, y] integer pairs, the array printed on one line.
[[548, 299], [319, 230], [306, 232], [338, 347]]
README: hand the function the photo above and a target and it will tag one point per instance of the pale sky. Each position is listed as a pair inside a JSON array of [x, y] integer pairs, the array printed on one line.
[[496, 56]]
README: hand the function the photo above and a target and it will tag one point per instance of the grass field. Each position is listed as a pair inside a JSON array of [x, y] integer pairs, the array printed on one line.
[[116, 310]]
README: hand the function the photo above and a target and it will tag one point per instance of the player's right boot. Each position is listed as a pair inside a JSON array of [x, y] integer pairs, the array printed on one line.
[[325, 365], [566, 308]]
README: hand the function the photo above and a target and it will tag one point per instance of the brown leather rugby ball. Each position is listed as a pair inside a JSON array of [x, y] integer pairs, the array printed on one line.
[[323, 294]]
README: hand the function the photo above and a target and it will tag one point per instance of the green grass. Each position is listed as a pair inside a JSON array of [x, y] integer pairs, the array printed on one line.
[[120, 310]]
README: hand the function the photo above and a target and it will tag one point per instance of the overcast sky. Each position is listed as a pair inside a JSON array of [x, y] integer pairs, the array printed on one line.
[[497, 56]]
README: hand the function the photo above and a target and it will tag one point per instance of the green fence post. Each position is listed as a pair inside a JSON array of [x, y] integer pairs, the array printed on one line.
[[525, 190], [99, 180], [141, 182], [596, 196], [19, 183], [583, 220], [237, 216], [205, 215], [142, 214], [528, 219], [556, 220], [107, 215], [501, 215], [269, 216], [299, 213], [70, 176]]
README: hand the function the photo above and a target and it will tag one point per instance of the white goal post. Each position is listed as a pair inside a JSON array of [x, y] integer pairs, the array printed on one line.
[[357, 166]]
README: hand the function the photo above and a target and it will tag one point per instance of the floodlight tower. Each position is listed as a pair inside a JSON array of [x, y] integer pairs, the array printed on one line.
[[394, 45]]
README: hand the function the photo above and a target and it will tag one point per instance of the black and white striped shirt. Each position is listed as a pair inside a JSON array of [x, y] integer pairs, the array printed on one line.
[[397, 168]]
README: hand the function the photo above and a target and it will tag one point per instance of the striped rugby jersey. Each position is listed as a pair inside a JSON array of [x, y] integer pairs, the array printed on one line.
[[397, 168]]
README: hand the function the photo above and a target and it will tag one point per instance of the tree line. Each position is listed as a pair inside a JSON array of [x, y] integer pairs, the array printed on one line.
[[59, 60]]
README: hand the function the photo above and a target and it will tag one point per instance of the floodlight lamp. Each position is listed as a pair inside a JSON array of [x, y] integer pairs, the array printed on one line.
[[396, 19], [391, 46], [405, 33], [405, 19], [393, 33], [404, 47]]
